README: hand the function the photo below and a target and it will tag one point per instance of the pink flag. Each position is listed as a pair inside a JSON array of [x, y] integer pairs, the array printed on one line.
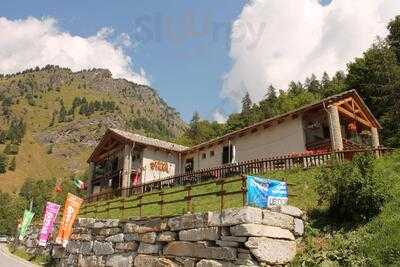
[[48, 222]]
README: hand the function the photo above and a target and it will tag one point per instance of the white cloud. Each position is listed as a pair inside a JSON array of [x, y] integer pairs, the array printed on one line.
[[219, 116], [296, 38], [32, 42]]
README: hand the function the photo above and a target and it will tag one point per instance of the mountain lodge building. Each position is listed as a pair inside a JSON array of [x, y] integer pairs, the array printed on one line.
[[340, 122]]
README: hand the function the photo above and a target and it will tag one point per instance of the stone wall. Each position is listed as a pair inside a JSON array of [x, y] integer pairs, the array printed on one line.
[[236, 237]]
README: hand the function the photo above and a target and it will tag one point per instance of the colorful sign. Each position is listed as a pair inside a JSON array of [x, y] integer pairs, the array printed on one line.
[[71, 211], [26, 221], [264, 193], [159, 166], [50, 217]]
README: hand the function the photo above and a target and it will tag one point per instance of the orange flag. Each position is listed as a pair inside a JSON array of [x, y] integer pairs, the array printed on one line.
[[71, 211]]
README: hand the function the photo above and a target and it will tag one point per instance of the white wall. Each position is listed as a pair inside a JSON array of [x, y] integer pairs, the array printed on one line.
[[150, 155], [279, 139]]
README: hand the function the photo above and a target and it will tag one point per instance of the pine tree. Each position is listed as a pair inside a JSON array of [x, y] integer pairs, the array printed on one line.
[[3, 163], [53, 119], [3, 136], [246, 103], [325, 79], [313, 85], [271, 93], [13, 164], [394, 36], [62, 116]]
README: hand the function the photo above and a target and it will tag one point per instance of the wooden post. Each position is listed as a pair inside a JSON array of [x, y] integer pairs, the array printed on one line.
[[122, 203], [162, 203], [92, 167], [96, 209], [140, 206], [222, 193], [127, 167], [189, 199], [244, 190], [335, 128]]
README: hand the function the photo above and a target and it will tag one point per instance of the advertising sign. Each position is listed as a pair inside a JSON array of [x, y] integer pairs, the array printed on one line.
[[71, 211], [50, 217], [26, 221], [264, 193]]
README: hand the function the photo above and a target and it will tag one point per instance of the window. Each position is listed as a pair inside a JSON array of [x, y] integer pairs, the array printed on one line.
[[203, 156], [212, 153], [189, 165], [227, 154]]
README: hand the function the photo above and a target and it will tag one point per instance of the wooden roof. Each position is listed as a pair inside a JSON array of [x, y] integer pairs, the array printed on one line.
[[113, 137]]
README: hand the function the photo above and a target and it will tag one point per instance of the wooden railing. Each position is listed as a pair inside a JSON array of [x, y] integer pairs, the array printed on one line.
[[287, 162], [158, 201]]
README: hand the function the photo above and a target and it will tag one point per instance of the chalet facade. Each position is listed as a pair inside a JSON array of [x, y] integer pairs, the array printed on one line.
[[123, 159]]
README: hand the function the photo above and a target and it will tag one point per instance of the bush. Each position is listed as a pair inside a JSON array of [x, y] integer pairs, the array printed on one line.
[[3, 163], [13, 164], [50, 149], [11, 149], [355, 191], [11, 209]]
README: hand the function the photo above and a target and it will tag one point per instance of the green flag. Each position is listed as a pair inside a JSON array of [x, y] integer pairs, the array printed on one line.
[[26, 221]]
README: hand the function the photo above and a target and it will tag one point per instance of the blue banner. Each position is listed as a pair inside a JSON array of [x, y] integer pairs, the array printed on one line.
[[264, 193]]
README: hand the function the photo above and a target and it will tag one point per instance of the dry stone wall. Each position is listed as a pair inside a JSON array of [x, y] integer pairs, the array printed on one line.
[[235, 237]]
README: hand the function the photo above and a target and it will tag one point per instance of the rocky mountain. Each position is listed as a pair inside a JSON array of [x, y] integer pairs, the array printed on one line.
[[51, 119]]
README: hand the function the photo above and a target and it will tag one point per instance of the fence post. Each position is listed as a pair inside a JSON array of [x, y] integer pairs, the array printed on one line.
[[244, 190], [96, 210], [189, 199], [122, 201], [222, 193], [162, 203], [140, 206]]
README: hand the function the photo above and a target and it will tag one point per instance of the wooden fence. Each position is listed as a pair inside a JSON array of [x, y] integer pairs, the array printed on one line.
[[186, 183], [287, 162], [187, 195]]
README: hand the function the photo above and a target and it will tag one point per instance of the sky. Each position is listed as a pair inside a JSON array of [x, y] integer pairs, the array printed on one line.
[[199, 55]]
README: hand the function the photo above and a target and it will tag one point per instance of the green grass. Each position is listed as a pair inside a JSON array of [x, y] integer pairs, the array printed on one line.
[[302, 190], [21, 253], [372, 243]]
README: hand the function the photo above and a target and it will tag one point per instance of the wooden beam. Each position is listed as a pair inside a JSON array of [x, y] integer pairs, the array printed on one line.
[[343, 101], [354, 116], [101, 156], [357, 107]]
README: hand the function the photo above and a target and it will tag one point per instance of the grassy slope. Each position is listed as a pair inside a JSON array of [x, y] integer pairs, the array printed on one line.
[[375, 243], [304, 190], [32, 159]]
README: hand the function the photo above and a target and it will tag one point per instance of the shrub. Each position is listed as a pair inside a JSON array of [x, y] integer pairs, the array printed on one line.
[[50, 149], [354, 191], [11, 149], [13, 164], [3, 163]]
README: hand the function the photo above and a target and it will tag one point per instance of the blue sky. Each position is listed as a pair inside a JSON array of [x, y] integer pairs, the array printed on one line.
[[186, 73], [189, 50]]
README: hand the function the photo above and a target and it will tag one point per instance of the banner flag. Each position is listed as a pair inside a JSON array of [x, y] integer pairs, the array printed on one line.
[[26, 221], [264, 193], [71, 211], [50, 217], [78, 183]]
